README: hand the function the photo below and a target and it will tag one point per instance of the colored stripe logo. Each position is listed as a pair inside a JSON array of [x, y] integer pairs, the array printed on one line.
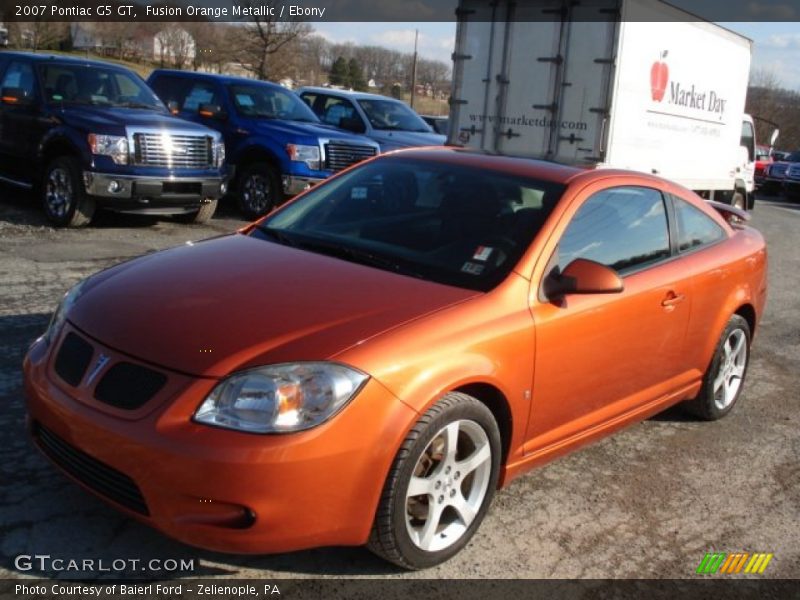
[[733, 563]]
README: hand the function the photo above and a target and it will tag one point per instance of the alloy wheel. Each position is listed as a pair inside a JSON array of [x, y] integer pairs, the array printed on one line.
[[448, 485], [59, 194], [256, 193], [732, 364]]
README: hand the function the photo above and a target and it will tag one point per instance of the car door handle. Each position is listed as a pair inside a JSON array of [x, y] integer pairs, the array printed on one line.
[[672, 299]]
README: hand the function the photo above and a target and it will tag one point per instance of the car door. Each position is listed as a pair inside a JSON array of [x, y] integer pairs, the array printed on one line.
[[20, 127], [599, 356]]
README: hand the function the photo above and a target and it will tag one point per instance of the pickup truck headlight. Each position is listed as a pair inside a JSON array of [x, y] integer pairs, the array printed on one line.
[[281, 398], [60, 314], [307, 154], [115, 146], [219, 153]]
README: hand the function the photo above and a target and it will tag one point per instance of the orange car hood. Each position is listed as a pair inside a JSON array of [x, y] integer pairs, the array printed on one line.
[[236, 302]]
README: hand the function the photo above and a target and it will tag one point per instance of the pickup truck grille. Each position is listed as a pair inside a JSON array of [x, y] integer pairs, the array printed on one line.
[[777, 170], [173, 151], [339, 156], [793, 172]]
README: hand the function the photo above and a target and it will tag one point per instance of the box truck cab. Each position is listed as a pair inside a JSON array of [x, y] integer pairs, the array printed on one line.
[[634, 84]]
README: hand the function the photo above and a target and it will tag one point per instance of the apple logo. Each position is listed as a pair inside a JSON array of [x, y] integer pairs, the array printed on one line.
[[659, 75]]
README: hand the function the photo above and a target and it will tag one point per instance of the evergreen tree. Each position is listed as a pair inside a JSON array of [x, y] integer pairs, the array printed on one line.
[[340, 74], [356, 76]]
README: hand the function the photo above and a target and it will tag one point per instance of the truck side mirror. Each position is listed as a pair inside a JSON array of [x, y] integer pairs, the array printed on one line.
[[14, 96], [211, 111], [173, 107]]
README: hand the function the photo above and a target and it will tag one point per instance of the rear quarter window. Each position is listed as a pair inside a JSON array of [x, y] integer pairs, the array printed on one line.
[[695, 228]]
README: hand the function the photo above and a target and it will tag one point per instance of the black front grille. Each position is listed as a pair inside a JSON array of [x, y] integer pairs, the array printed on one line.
[[73, 359], [128, 386], [339, 156], [96, 475]]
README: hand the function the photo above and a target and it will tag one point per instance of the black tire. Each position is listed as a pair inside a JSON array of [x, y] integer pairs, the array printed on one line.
[[390, 537], [63, 195], [203, 215], [739, 200], [712, 404], [258, 189]]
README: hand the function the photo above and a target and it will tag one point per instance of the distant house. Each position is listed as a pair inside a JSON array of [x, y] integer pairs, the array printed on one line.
[[86, 37], [174, 47]]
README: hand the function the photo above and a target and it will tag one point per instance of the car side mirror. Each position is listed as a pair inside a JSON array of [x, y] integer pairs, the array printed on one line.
[[584, 276], [14, 96], [211, 111], [173, 107], [353, 124]]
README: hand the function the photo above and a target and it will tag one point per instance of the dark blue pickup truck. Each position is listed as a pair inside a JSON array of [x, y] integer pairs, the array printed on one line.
[[87, 134], [276, 146]]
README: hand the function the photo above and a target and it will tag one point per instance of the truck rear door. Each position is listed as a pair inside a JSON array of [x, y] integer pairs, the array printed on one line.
[[534, 79]]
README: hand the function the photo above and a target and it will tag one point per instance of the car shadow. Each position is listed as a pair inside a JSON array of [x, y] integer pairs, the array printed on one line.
[[45, 513]]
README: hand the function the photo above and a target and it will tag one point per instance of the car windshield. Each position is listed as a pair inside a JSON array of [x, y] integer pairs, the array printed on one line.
[[96, 86], [269, 102], [427, 219], [393, 115]]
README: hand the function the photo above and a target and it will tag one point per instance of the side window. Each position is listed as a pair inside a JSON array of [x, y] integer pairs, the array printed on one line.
[[622, 228], [199, 93], [336, 109], [169, 89], [694, 227], [20, 75], [309, 99]]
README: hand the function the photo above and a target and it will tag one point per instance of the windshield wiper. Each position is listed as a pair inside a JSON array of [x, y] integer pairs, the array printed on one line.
[[358, 255], [278, 235]]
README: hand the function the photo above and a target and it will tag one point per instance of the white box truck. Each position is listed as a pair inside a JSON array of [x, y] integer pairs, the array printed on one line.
[[634, 84]]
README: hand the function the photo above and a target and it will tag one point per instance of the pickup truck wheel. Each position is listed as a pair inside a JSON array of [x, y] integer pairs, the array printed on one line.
[[724, 379], [738, 201], [201, 216], [259, 190], [440, 485], [63, 196]]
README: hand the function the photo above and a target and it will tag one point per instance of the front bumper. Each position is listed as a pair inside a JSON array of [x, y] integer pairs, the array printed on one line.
[[218, 489], [293, 184], [145, 187]]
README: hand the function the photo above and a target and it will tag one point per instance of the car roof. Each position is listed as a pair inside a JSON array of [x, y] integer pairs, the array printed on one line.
[[525, 167], [40, 57], [224, 79], [348, 93]]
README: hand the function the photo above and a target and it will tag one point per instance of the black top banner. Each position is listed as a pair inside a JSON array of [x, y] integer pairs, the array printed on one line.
[[370, 10]]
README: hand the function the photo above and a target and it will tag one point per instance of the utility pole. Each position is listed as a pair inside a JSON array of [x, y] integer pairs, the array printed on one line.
[[414, 69]]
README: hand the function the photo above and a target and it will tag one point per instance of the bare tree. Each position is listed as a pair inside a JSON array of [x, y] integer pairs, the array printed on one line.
[[264, 47]]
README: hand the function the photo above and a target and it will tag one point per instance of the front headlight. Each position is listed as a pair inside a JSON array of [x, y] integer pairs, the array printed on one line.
[[60, 314], [307, 154], [115, 146], [281, 398], [219, 153]]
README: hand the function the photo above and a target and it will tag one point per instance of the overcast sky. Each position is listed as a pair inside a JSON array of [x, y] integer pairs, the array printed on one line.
[[776, 47]]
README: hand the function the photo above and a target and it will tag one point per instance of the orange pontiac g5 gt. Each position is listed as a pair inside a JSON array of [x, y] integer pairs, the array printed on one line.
[[404, 338]]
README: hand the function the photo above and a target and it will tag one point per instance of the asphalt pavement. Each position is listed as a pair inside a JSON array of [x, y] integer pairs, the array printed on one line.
[[647, 502]]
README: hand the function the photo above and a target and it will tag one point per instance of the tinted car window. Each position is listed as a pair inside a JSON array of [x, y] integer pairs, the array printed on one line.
[[270, 102], [393, 115], [96, 86], [19, 75], [336, 109], [694, 227], [200, 93], [170, 89], [433, 220], [622, 228]]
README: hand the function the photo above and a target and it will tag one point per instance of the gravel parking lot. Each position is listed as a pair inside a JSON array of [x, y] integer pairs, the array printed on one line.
[[648, 502]]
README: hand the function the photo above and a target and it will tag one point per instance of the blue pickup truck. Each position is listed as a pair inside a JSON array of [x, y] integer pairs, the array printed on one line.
[[276, 146], [87, 134]]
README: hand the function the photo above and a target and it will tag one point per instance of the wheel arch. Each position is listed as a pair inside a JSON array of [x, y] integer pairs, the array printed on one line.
[[748, 312], [256, 153], [497, 403]]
